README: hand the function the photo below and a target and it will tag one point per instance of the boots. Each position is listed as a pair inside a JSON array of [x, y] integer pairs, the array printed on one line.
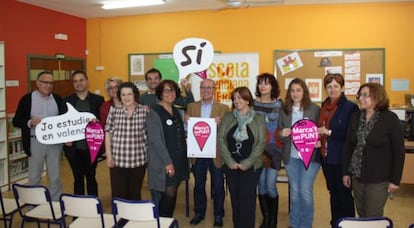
[[273, 211], [264, 206]]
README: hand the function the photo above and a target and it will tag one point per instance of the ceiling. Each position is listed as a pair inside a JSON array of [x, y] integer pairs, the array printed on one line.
[[92, 8]]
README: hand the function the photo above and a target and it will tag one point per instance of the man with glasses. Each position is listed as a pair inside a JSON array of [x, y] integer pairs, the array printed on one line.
[[153, 78], [32, 108], [77, 152], [207, 108]]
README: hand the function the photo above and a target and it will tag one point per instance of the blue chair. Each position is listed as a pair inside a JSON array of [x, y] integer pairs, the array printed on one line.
[[377, 222], [139, 213], [35, 204], [8, 208], [87, 211]]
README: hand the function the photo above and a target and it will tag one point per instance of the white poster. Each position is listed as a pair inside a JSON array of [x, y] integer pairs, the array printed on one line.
[[67, 127], [201, 137], [229, 71]]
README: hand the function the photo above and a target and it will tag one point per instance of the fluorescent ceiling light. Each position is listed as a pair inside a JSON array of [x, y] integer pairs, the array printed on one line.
[[131, 3]]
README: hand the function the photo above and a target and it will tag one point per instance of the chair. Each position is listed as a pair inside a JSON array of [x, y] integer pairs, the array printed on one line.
[[35, 204], [140, 213], [8, 208], [377, 222], [87, 210]]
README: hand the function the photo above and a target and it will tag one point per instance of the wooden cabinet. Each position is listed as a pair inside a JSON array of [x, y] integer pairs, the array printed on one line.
[[408, 171], [61, 69]]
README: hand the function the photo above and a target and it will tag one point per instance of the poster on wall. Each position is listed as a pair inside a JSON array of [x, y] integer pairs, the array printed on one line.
[[315, 88], [229, 71], [289, 63]]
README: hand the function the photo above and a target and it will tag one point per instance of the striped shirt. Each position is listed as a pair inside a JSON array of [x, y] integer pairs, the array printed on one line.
[[129, 136]]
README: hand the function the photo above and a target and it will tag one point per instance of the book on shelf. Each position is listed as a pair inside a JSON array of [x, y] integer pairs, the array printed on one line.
[[13, 132], [2, 174], [18, 167]]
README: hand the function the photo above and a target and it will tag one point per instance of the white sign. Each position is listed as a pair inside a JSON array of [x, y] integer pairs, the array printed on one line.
[[67, 127], [193, 55], [230, 71], [201, 138]]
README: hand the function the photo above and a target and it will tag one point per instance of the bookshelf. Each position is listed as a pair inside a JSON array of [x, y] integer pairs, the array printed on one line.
[[18, 163], [4, 178]]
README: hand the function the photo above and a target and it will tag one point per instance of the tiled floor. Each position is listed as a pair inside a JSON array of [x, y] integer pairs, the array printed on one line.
[[400, 209]]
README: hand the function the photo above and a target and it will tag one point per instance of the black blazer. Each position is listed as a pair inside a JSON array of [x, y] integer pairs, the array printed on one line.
[[95, 102], [384, 153], [22, 116]]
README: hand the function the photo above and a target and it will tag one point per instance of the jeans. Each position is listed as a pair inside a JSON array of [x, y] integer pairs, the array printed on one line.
[[217, 183], [301, 192], [267, 182]]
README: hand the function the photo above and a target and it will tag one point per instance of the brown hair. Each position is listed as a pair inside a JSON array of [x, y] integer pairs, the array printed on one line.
[[245, 94], [271, 79], [378, 94], [306, 101], [169, 83], [330, 77]]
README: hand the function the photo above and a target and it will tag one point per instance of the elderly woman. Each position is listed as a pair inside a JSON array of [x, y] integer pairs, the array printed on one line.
[[166, 174], [333, 122], [242, 139], [111, 86], [129, 129], [373, 152]]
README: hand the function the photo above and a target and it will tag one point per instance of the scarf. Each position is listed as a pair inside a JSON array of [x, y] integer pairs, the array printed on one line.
[[364, 129], [328, 110], [241, 131]]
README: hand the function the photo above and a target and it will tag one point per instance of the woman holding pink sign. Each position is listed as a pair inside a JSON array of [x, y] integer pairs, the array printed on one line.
[[333, 122], [298, 106]]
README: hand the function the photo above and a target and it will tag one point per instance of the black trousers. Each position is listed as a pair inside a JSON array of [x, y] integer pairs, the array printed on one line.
[[80, 163], [342, 202], [126, 183], [242, 187]]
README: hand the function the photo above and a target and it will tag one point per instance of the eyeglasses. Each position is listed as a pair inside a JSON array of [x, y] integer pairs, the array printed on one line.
[[207, 87], [46, 82], [113, 87], [362, 95], [168, 90]]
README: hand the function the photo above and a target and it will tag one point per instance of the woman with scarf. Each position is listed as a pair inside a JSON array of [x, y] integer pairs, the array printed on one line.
[[373, 151], [333, 122], [242, 139]]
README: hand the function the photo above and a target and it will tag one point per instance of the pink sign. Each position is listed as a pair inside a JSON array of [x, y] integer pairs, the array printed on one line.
[[95, 136], [202, 74], [305, 136], [201, 131]]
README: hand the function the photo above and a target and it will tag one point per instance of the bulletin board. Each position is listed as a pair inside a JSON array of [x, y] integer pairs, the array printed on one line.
[[139, 63], [356, 65]]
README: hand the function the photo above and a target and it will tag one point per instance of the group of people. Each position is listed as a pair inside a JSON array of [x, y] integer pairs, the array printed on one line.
[[146, 133]]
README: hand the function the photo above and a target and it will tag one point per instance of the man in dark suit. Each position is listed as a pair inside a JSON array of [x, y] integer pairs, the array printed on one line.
[[207, 108], [77, 152]]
